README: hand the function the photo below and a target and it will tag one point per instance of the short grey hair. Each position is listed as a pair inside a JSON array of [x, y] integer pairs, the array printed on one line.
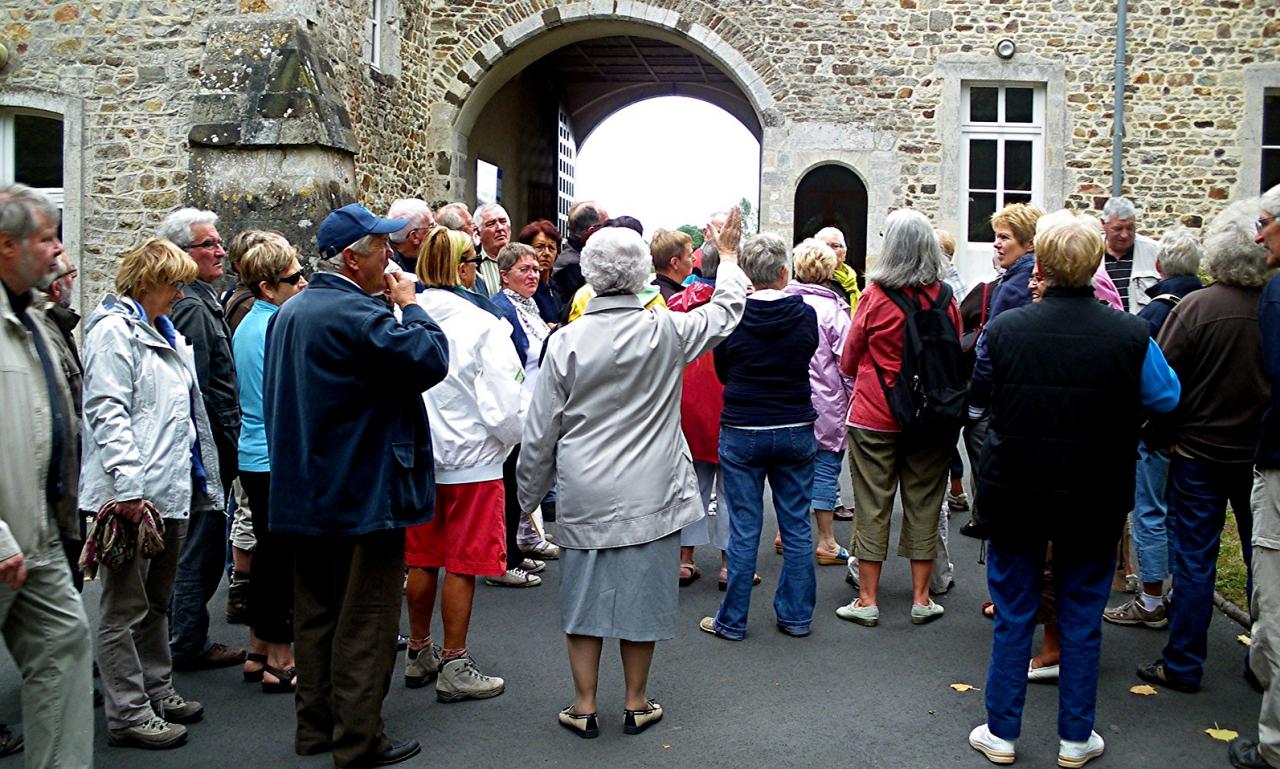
[[336, 263], [489, 208], [583, 215], [1180, 252], [710, 259], [1269, 202], [22, 208], [416, 211], [1119, 208], [449, 216], [1231, 256], [762, 257], [911, 255], [512, 253], [176, 227], [616, 261], [828, 234]]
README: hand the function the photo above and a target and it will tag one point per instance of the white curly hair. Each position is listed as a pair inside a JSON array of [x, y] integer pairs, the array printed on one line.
[[616, 261]]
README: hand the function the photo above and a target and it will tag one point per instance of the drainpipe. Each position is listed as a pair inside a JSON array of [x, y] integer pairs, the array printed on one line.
[[1117, 129]]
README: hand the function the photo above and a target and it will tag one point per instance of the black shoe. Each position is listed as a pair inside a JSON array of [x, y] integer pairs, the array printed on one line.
[[1244, 754], [975, 529], [10, 739], [1155, 673], [402, 642], [397, 751]]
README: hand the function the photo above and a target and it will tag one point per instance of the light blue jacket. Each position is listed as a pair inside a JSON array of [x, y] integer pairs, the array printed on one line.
[[250, 345]]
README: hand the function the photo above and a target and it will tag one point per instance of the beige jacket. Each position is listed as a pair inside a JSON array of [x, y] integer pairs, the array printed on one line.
[[27, 525], [606, 411]]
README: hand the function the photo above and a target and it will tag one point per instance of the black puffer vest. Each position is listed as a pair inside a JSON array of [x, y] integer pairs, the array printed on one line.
[[1066, 406]]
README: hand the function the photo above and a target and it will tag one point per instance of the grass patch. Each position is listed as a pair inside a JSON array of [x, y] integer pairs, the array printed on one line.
[[1232, 575]]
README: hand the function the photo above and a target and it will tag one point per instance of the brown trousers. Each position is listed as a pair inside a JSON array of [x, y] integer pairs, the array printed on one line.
[[347, 597]]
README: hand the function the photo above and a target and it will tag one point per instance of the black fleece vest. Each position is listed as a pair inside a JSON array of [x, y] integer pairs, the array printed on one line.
[[1066, 406]]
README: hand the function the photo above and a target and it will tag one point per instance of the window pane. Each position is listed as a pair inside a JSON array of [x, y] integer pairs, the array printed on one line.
[[1017, 165], [982, 164], [1016, 197], [1270, 168], [1018, 105], [1271, 119], [37, 151], [981, 206], [984, 105]]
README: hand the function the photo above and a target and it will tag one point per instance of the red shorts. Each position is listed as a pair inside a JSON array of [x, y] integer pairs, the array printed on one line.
[[467, 534]]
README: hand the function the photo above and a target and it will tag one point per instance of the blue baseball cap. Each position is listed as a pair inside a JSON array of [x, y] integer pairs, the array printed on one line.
[[348, 224]]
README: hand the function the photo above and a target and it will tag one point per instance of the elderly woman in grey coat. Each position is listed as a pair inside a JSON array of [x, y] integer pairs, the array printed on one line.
[[607, 409]]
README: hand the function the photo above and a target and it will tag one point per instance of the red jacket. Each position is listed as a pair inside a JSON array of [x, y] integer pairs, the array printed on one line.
[[703, 397], [875, 340]]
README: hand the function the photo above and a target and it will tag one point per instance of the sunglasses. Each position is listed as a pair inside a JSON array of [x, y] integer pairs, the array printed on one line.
[[472, 260], [291, 279]]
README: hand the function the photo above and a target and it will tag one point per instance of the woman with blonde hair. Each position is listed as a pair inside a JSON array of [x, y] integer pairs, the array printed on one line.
[[147, 446]]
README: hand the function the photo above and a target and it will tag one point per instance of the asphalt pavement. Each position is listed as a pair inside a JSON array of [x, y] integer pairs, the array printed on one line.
[[845, 695]]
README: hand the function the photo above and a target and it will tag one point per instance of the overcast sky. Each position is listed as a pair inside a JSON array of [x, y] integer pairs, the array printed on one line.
[[669, 161]]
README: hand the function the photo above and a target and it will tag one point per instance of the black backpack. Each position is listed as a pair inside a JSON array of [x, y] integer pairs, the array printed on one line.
[[928, 400]]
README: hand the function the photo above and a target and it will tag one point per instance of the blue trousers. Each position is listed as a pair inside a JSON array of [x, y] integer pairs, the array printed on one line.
[[1150, 531], [1083, 583], [1199, 490], [784, 456], [200, 569]]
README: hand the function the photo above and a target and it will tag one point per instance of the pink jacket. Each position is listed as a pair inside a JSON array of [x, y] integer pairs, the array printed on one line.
[[831, 388]]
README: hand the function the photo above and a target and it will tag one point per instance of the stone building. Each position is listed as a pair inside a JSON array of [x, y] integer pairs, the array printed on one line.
[[274, 111]]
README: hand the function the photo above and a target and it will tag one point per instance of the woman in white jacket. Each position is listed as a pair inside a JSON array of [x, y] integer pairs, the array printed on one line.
[[476, 419], [146, 440]]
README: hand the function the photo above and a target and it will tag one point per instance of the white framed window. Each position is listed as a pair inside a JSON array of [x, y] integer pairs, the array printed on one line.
[[1270, 160], [488, 183], [374, 29], [31, 151], [1001, 155]]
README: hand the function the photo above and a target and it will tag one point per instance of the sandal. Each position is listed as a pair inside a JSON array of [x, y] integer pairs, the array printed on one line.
[[254, 676], [693, 573], [988, 610], [724, 580], [286, 680], [841, 557]]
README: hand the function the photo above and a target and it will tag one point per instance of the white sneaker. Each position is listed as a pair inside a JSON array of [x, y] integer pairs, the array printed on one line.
[[1075, 754], [541, 549], [533, 565], [516, 577], [460, 680], [996, 750]]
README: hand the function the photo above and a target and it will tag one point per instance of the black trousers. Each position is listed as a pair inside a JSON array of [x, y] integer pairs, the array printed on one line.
[[347, 598], [271, 581], [512, 512]]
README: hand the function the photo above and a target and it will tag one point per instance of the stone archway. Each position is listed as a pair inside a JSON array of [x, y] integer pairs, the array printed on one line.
[[470, 83], [833, 195]]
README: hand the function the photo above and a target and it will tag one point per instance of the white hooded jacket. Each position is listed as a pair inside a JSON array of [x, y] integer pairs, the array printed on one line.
[[475, 414]]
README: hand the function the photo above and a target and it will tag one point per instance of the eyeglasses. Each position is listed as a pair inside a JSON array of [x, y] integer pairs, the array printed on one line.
[[1262, 223], [472, 260], [177, 285], [291, 279], [206, 243]]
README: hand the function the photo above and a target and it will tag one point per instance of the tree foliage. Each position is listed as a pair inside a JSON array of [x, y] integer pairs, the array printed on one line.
[[692, 232]]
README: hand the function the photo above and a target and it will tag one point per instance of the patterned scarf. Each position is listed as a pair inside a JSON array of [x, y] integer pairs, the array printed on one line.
[[527, 309]]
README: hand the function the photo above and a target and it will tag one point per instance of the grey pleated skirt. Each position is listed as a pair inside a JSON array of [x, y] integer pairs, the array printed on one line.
[[629, 593]]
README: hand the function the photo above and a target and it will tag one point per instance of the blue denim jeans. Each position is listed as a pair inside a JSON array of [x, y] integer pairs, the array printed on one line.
[[200, 569], [1150, 533], [1014, 574], [784, 456], [1198, 492], [826, 479]]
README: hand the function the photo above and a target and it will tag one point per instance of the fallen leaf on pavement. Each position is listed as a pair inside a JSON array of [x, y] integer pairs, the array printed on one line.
[[1218, 733], [1143, 689], [1244, 639], [666, 745], [965, 688]]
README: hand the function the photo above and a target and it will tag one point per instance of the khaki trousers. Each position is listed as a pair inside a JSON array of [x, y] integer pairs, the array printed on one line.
[[881, 468], [133, 632], [47, 632]]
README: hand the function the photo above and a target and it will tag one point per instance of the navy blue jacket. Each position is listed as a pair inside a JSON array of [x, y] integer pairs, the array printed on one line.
[[518, 337], [347, 429], [764, 364], [1155, 313], [1014, 291], [1268, 454]]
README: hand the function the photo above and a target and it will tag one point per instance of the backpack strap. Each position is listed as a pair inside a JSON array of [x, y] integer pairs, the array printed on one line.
[[1172, 299]]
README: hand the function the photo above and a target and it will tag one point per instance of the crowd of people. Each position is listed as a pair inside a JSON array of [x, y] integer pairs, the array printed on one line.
[[430, 393]]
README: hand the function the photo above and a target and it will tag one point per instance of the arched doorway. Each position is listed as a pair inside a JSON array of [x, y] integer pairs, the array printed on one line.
[[833, 196]]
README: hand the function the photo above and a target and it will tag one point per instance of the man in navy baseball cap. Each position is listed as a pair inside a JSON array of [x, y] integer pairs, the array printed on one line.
[[347, 225]]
